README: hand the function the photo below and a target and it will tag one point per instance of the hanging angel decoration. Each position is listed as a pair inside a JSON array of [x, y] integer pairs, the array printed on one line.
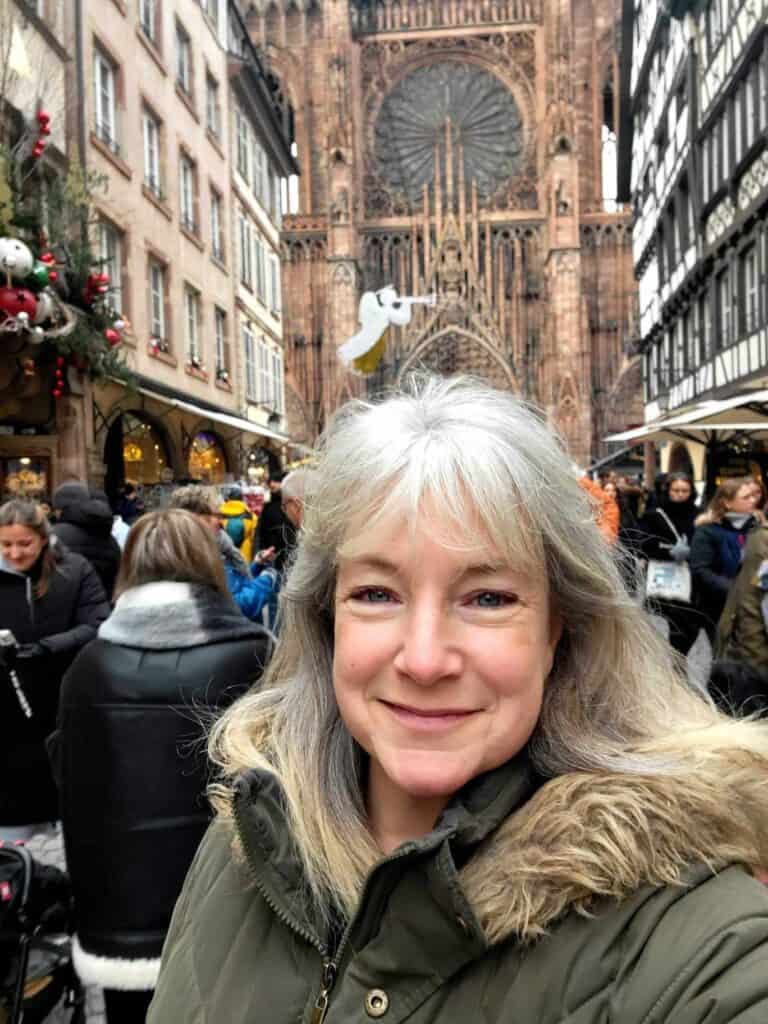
[[378, 311]]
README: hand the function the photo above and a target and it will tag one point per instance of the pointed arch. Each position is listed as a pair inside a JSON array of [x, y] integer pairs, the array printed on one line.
[[455, 350]]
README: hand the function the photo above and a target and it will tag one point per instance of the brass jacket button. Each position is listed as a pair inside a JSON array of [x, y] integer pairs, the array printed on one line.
[[376, 1002]]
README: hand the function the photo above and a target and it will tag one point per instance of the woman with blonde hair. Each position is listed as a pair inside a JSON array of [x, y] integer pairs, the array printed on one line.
[[131, 767], [717, 548], [473, 786]]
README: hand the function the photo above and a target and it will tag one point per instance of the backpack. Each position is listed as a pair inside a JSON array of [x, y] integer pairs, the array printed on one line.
[[235, 527]]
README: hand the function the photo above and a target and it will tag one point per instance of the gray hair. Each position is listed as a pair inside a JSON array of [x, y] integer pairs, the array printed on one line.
[[482, 456], [298, 485]]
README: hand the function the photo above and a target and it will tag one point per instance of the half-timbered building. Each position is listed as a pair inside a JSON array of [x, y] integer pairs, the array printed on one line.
[[699, 93]]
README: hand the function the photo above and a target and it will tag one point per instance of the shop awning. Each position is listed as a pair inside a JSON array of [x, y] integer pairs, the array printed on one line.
[[708, 421], [236, 422]]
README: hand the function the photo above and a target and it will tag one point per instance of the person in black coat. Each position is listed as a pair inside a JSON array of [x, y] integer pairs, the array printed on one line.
[[52, 602], [83, 522], [718, 545], [664, 534], [274, 529], [130, 748]]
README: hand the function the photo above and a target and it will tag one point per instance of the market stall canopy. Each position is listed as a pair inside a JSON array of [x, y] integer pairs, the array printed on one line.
[[707, 422]]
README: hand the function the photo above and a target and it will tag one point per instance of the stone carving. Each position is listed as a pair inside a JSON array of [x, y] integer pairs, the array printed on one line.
[[720, 220], [753, 182], [486, 128]]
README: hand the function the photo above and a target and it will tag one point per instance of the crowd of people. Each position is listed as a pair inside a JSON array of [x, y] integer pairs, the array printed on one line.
[[451, 760], [117, 655]]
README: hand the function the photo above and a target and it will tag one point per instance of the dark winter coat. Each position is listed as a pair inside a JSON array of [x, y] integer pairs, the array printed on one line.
[[741, 631], [275, 530], [85, 526], [130, 755], [655, 538], [483, 921], [62, 621], [716, 553]]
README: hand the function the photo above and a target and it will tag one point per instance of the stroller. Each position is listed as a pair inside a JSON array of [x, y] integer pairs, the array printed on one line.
[[36, 972]]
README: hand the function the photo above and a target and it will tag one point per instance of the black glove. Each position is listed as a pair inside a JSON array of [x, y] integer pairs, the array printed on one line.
[[30, 651]]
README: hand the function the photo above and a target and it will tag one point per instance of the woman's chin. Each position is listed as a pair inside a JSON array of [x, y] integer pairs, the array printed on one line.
[[430, 778]]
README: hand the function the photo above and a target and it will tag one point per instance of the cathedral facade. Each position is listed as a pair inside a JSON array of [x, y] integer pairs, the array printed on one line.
[[465, 148]]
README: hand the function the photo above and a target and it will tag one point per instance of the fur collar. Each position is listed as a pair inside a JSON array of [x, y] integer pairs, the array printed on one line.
[[582, 838], [169, 615]]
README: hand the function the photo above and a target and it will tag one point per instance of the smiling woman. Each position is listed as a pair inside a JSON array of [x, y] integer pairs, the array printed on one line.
[[469, 738]]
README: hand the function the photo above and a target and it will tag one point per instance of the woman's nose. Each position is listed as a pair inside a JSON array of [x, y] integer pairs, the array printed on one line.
[[428, 650]]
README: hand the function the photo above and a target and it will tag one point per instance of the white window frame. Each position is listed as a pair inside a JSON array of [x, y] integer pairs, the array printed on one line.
[[243, 149], [147, 18], [111, 252], [187, 193], [157, 299], [246, 250], [151, 131], [265, 377], [217, 239], [212, 105], [261, 270], [751, 293], [220, 336], [251, 377], [275, 304], [192, 323], [105, 99], [725, 317], [183, 60]]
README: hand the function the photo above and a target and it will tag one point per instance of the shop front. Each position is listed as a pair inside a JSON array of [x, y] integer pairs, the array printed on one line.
[[208, 460]]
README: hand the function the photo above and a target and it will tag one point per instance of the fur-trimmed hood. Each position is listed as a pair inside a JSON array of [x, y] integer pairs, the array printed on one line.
[[171, 615], [533, 850]]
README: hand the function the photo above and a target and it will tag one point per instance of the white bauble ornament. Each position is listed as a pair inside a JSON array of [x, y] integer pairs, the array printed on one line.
[[38, 335], [119, 325], [23, 320], [45, 307], [15, 258]]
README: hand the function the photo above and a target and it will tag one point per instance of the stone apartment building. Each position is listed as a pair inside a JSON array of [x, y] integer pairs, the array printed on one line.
[[466, 148], [165, 87], [700, 187], [40, 441]]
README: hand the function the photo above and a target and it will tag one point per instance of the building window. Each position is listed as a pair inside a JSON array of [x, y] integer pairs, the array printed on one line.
[[212, 106], [111, 252], [183, 60], [265, 377], [243, 151], [705, 328], [260, 174], [222, 343], [187, 190], [157, 298], [249, 344], [151, 129], [724, 309], [750, 289], [217, 236], [261, 270], [274, 285], [105, 99], [278, 384], [246, 251], [192, 321], [148, 11]]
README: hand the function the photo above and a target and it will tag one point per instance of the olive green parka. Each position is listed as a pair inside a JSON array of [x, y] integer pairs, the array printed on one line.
[[583, 900], [741, 633]]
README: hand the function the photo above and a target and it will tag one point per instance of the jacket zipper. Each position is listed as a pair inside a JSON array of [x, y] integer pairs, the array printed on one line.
[[330, 971]]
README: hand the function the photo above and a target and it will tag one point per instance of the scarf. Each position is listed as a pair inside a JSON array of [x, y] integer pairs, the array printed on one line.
[[170, 615]]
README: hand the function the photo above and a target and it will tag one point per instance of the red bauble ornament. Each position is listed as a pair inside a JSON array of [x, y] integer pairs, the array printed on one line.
[[18, 300], [53, 276], [38, 149], [48, 258], [57, 392], [113, 337], [44, 129], [61, 361], [43, 117], [103, 278]]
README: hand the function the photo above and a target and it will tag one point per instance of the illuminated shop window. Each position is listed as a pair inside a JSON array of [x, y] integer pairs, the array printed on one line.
[[207, 461]]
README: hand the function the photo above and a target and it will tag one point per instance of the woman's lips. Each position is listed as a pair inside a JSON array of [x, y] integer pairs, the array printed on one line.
[[431, 720]]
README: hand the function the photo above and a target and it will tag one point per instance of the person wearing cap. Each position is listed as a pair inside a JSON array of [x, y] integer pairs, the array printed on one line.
[[82, 522], [238, 521]]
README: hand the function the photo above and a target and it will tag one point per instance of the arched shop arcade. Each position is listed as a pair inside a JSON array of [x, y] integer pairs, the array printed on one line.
[[156, 445]]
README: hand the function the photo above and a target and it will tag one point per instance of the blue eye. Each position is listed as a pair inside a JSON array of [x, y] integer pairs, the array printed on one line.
[[493, 599], [372, 595]]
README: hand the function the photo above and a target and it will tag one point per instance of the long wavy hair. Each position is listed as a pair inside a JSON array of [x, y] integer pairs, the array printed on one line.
[[30, 515], [615, 700]]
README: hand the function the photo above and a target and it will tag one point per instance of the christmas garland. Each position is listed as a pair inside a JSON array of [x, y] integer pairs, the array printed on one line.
[[55, 308]]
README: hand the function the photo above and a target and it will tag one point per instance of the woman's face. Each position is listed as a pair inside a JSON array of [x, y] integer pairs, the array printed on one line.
[[20, 547], [440, 660], [610, 488], [679, 490], [743, 501]]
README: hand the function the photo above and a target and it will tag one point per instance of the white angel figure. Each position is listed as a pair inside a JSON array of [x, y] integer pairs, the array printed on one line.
[[378, 311]]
